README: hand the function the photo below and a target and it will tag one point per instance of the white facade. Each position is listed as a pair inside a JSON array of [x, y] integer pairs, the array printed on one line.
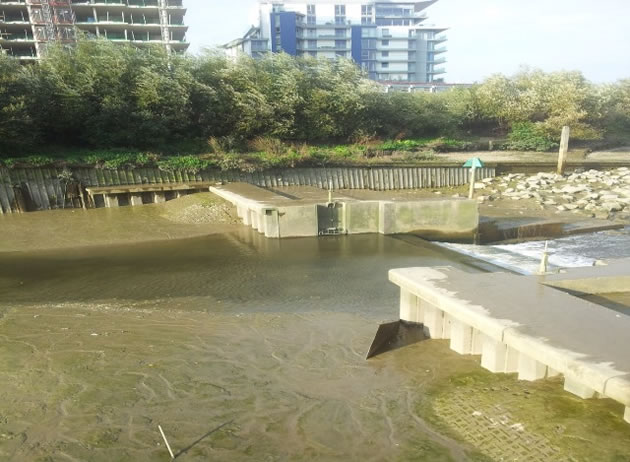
[[387, 38]]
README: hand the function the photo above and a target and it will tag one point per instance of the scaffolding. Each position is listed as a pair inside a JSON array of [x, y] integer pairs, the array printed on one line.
[[52, 21]]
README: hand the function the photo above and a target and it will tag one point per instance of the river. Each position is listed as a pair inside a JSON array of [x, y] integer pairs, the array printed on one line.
[[101, 344]]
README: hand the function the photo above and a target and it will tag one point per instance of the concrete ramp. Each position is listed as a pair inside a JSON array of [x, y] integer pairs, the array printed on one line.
[[519, 325], [310, 212]]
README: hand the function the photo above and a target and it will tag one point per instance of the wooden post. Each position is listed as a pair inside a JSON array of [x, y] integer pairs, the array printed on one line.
[[473, 178], [564, 149]]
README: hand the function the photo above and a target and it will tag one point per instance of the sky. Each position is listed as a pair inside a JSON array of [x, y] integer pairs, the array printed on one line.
[[485, 36]]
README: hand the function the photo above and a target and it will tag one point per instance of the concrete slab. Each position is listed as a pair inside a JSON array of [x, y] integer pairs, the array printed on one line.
[[528, 327], [614, 277]]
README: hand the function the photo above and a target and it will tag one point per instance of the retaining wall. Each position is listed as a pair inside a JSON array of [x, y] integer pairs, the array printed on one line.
[[40, 188]]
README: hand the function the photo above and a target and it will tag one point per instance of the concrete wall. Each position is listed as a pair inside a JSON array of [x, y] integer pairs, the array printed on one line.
[[298, 221], [362, 217], [430, 218]]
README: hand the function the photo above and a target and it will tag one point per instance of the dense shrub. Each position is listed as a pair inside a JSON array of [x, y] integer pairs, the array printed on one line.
[[527, 136], [125, 101]]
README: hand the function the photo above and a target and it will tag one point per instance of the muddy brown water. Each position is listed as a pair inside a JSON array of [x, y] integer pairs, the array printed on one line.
[[99, 345]]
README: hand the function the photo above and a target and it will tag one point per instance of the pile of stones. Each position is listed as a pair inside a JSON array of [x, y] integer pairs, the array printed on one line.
[[596, 193]]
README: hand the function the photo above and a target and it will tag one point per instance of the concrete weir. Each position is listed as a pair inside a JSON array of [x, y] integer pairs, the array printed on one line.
[[280, 215], [519, 324]]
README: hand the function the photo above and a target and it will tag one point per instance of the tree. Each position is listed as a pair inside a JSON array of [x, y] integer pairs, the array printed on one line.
[[17, 131]]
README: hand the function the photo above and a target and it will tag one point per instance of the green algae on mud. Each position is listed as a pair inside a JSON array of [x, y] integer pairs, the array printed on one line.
[[503, 417]]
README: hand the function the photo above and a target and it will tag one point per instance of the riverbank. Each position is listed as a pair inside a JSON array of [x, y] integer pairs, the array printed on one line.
[[190, 216]]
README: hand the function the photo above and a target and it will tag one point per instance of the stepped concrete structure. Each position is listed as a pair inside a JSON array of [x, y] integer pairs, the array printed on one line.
[[519, 324], [277, 214], [28, 26]]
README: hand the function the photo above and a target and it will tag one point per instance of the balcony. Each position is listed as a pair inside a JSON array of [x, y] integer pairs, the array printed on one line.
[[13, 19], [439, 70], [437, 39], [322, 48], [437, 61], [26, 37], [439, 50]]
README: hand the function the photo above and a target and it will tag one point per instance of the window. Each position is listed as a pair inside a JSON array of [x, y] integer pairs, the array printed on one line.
[[340, 32], [312, 44], [384, 65], [368, 43], [340, 44], [386, 33], [385, 54], [341, 54], [385, 43], [311, 14], [368, 32], [366, 14], [340, 14]]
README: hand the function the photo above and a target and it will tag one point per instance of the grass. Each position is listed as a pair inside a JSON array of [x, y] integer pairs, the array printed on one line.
[[259, 154]]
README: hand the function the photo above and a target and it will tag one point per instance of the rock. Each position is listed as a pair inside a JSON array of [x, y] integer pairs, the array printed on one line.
[[561, 208], [609, 197], [568, 198], [550, 202], [612, 206], [487, 180], [570, 206], [510, 190], [573, 189], [480, 185]]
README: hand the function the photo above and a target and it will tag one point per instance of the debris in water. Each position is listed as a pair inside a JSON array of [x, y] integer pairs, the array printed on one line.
[[168, 446]]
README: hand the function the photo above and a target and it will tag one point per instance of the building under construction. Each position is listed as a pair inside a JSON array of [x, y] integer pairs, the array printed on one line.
[[28, 26]]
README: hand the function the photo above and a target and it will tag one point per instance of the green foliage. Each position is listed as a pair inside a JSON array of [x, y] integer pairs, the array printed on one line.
[[401, 145], [17, 130], [527, 136], [119, 102], [193, 164]]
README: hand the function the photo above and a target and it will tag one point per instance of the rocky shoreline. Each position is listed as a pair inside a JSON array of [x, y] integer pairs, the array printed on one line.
[[601, 194]]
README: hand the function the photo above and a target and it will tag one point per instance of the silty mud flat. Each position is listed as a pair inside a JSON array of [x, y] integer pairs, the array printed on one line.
[[99, 345]]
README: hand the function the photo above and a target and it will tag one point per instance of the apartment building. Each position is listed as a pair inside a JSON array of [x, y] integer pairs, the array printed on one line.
[[389, 39], [27, 26]]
